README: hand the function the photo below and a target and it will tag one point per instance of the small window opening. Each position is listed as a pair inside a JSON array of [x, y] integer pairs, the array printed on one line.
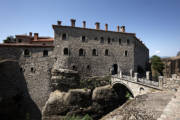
[[45, 53], [109, 40], [106, 52], [127, 41], [126, 53], [21, 69], [113, 40], [32, 69], [119, 41], [102, 40], [19, 40], [66, 51], [88, 67], [64, 37], [94, 52], [26, 52], [74, 67], [95, 38], [83, 39], [81, 52]]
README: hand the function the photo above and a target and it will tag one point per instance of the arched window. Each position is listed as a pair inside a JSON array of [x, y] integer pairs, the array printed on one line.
[[127, 41], [64, 36], [83, 39], [88, 67], [106, 52], [81, 52], [119, 41], [126, 53], [20, 40], [74, 67], [109, 40], [102, 40], [94, 52], [45, 53], [66, 51], [26, 53]]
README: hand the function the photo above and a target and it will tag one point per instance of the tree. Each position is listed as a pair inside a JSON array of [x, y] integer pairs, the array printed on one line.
[[10, 39], [157, 66]]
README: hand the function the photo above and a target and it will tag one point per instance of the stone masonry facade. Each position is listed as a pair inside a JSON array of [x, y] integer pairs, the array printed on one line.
[[91, 52]]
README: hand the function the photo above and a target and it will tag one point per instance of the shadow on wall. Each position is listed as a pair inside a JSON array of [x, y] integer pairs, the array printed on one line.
[[15, 101]]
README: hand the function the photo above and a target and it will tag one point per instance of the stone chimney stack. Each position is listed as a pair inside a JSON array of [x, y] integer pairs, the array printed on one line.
[[118, 28], [35, 36], [59, 23], [73, 21], [97, 25], [123, 29], [84, 24], [106, 27], [30, 34]]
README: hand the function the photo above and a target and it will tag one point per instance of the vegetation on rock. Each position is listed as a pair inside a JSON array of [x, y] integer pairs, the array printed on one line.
[[93, 82], [86, 117]]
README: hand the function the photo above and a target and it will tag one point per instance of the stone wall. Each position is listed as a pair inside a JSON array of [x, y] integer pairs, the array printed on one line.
[[35, 68], [141, 57], [100, 64]]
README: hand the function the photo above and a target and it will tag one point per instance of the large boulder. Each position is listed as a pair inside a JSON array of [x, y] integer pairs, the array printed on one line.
[[104, 94], [60, 103], [64, 79]]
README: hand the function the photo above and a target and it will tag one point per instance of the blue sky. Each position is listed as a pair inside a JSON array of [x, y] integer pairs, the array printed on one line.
[[155, 22]]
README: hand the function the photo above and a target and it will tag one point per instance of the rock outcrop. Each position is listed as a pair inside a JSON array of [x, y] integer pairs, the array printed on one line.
[[64, 79], [81, 102]]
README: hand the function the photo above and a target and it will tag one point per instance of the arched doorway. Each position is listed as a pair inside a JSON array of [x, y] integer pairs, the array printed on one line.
[[114, 69]]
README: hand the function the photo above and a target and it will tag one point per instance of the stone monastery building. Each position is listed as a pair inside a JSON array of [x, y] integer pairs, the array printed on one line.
[[91, 52]]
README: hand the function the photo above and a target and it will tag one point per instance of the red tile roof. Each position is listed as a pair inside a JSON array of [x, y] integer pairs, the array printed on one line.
[[23, 45]]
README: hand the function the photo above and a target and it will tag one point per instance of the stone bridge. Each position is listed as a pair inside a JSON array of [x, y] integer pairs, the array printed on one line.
[[137, 86]]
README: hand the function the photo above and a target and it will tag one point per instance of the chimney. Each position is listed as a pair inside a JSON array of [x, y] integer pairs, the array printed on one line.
[[118, 28], [106, 27], [35, 36], [97, 25], [123, 29], [73, 22], [59, 23], [84, 24], [30, 34]]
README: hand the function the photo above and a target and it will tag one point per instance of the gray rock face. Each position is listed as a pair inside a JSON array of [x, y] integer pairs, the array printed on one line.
[[81, 102], [64, 79], [60, 103], [104, 94]]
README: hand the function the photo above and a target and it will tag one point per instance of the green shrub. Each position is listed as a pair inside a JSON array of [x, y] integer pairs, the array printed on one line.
[[86, 117]]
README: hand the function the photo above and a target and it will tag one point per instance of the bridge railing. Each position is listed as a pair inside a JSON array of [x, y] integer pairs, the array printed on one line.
[[135, 79]]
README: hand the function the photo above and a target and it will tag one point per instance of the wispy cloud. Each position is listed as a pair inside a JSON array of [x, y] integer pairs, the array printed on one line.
[[157, 52]]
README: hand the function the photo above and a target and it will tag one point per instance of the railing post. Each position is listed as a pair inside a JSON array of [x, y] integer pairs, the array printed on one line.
[[147, 75], [136, 77], [120, 74], [160, 80], [131, 73]]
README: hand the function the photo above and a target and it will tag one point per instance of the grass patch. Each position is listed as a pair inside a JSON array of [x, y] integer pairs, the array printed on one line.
[[86, 117]]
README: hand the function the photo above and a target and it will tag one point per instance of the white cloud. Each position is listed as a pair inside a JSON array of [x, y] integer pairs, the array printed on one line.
[[157, 52]]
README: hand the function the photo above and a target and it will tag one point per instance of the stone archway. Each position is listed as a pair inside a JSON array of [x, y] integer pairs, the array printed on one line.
[[123, 90]]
